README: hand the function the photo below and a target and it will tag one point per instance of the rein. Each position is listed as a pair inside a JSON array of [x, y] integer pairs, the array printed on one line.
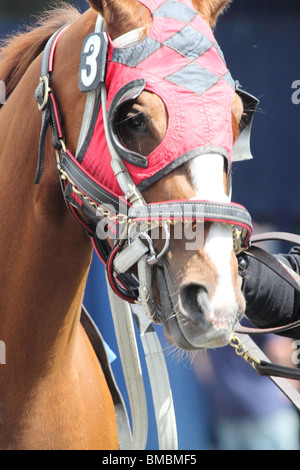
[[278, 268], [245, 347]]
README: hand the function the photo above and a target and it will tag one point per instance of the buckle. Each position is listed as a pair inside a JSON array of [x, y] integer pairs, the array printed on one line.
[[42, 93]]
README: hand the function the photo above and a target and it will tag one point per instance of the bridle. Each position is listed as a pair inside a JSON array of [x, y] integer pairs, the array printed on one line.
[[128, 218], [91, 202]]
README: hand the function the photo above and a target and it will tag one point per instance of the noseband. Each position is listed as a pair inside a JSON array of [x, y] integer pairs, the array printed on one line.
[[92, 204]]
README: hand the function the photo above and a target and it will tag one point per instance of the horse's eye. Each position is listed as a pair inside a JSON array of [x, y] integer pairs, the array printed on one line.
[[134, 128], [136, 121]]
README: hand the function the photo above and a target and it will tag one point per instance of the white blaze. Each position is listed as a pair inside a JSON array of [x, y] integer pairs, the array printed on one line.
[[207, 177]]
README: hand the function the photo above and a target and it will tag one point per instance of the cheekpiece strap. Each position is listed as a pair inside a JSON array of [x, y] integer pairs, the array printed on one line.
[[47, 103]]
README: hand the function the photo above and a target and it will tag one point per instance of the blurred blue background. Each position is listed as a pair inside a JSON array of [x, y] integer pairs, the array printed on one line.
[[260, 40]]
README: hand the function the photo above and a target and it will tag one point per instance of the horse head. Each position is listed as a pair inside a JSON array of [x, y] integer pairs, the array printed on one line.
[[174, 116]]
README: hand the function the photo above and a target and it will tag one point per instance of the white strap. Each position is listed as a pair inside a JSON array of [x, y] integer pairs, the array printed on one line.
[[146, 296], [159, 380], [126, 339], [158, 374], [130, 255]]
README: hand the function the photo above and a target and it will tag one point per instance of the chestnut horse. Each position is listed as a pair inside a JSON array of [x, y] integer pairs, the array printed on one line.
[[53, 392]]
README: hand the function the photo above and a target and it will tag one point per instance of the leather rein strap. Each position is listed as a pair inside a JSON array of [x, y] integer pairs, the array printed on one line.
[[245, 346], [278, 268]]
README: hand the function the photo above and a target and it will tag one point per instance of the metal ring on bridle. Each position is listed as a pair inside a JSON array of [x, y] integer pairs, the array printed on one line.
[[153, 258]]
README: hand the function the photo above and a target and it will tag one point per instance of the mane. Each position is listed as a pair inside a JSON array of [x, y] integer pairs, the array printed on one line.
[[20, 49]]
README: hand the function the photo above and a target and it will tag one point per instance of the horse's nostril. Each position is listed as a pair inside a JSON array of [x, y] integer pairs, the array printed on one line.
[[192, 299]]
